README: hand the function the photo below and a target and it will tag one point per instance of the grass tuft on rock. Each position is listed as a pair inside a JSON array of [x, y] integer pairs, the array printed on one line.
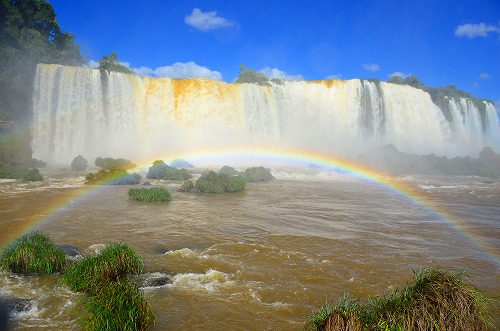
[[33, 253], [434, 300], [111, 264], [118, 305], [155, 194]]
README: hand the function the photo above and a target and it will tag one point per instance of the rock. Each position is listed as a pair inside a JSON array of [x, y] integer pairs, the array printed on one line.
[[147, 184], [69, 250]]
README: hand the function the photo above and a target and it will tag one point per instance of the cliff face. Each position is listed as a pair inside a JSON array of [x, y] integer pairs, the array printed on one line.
[[92, 113]]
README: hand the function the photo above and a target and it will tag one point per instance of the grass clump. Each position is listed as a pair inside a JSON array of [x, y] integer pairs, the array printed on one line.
[[435, 300], [33, 253], [111, 264], [118, 305], [212, 182], [154, 194]]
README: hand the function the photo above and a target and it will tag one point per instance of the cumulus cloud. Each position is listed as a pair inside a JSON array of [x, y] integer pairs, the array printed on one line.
[[371, 67], [180, 70], [206, 21], [476, 30], [484, 75], [176, 70], [400, 74], [276, 73]]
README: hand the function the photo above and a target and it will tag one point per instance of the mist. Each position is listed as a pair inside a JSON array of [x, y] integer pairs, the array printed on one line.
[[94, 113]]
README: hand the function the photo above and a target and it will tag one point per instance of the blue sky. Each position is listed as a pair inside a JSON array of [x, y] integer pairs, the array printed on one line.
[[443, 42]]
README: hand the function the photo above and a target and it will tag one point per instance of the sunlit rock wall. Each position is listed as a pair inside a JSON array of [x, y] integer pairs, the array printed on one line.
[[93, 113]]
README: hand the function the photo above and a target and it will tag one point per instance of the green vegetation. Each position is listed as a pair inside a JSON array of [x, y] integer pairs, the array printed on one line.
[[111, 63], [180, 163], [24, 174], [187, 186], [112, 164], [211, 182], [112, 177], [177, 174], [79, 163], [257, 174], [390, 160], [159, 170], [113, 172], [251, 175], [32, 175], [251, 76], [118, 305], [114, 301], [435, 300], [229, 171], [29, 34], [33, 253], [154, 194], [111, 264]]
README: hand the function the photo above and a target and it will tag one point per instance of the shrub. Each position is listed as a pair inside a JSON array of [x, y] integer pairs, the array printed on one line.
[[227, 170], [211, 182], [257, 174], [32, 175], [79, 164], [186, 186], [179, 163], [157, 170], [118, 305], [177, 174], [112, 177], [435, 300], [112, 164], [111, 264], [154, 194], [33, 253]]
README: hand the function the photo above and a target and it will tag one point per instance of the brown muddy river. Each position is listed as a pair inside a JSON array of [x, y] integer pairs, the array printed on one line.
[[262, 259]]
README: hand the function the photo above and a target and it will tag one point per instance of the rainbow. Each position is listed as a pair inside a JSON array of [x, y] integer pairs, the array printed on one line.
[[296, 157]]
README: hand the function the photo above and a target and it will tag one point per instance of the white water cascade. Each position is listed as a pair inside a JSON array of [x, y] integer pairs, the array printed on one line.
[[99, 114]]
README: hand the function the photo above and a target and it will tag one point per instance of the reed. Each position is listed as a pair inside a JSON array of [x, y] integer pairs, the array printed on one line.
[[33, 253], [155, 194], [434, 300]]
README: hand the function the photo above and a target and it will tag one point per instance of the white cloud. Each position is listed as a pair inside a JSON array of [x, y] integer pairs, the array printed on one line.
[[371, 67], [333, 77], [484, 75], [206, 21], [476, 30], [276, 73], [180, 70], [400, 74]]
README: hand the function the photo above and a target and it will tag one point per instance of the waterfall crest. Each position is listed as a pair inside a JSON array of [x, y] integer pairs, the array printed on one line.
[[93, 113]]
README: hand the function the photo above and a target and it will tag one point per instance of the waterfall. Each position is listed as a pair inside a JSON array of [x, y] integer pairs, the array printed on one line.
[[93, 113]]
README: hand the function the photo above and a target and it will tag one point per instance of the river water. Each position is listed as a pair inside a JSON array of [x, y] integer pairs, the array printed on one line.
[[262, 259]]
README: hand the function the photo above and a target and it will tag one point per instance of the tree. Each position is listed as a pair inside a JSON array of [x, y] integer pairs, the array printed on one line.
[[79, 164], [111, 63], [251, 76], [395, 80], [29, 34]]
